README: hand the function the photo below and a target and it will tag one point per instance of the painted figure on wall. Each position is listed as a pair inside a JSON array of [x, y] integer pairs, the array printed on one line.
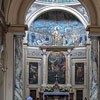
[[56, 66], [79, 73], [56, 37], [33, 73]]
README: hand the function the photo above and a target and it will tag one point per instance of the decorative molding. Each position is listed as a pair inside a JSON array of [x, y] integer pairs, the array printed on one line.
[[57, 48], [11, 27], [93, 30], [17, 28], [79, 53], [44, 52], [34, 53], [80, 8], [33, 14]]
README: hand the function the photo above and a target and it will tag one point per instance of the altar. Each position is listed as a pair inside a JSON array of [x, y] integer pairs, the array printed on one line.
[[56, 96], [56, 92]]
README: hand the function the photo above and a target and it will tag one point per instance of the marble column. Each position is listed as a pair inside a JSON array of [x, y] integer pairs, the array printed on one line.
[[69, 69], [99, 67], [44, 68], [88, 68], [14, 62], [94, 69], [18, 69]]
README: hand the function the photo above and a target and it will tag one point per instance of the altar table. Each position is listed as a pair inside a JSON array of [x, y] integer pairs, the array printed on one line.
[[56, 95]]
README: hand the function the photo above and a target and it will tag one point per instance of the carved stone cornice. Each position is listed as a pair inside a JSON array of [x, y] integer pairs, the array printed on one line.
[[17, 28], [56, 48], [13, 28], [93, 30]]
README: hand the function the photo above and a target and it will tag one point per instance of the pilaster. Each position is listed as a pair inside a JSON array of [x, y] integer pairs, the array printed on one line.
[[94, 33], [69, 68], [88, 70], [15, 62], [3, 56], [44, 68], [11, 59], [9, 63], [18, 67]]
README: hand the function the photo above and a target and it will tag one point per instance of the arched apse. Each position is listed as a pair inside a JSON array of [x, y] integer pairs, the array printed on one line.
[[56, 27], [34, 15], [17, 11], [58, 1]]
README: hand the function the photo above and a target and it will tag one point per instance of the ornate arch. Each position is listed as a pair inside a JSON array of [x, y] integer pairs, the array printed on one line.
[[17, 11], [48, 8]]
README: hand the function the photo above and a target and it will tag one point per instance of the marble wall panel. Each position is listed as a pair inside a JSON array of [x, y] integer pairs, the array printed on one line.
[[18, 69], [93, 70], [31, 52], [79, 53]]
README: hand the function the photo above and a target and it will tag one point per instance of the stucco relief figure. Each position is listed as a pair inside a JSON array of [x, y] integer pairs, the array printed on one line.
[[79, 73]]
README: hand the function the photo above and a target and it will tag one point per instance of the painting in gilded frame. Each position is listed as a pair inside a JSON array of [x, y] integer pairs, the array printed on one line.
[[33, 73], [56, 66], [79, 73]]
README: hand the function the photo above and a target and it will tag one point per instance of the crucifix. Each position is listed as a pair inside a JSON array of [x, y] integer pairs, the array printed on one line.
[[56, 86], [56, 78]]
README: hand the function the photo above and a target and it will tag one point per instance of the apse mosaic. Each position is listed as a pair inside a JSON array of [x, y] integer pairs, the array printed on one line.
[[56, 67], [58, 28]]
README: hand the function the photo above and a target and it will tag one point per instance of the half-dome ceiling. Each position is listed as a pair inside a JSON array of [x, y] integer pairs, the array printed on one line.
[[58, 28], [58, 1]]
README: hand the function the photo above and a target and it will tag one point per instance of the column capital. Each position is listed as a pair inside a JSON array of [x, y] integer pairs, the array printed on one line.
[[44, 52], [69, 51], [94, 30]]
